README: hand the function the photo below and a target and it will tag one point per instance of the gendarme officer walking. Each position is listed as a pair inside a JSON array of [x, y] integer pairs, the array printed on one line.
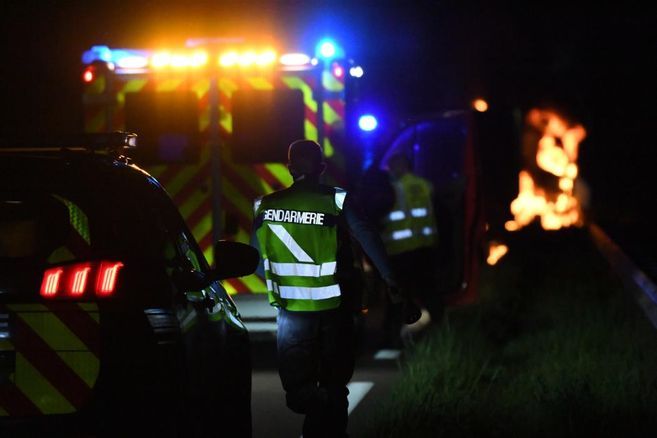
[[301, 234]]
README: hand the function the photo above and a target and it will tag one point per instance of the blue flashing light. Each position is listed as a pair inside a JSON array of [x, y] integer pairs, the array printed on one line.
[[367, 123], [97, 53], [123, 58], [328, 49], [130, 59]]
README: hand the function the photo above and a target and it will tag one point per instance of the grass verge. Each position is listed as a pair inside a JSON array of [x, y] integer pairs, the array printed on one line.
[[555, 347]]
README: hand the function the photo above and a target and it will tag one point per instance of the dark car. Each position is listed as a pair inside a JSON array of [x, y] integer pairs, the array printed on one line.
[[111, 321]]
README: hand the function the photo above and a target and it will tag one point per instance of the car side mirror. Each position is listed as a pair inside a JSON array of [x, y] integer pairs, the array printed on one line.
[[234, 259]]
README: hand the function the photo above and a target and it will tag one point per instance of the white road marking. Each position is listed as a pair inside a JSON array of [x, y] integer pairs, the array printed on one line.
[[357, 391], [387, 354], [261, 326]]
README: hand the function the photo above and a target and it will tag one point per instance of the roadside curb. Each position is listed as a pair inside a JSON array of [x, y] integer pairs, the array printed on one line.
[[634, 279]]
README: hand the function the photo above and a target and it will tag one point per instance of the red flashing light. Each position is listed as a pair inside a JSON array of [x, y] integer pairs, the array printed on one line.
[[72, 281], [338, 71], [88, 75]]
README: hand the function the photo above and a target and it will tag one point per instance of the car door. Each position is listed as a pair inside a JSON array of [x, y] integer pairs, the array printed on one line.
[[216, 341]]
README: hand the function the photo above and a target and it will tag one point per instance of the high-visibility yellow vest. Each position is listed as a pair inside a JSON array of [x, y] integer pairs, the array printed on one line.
[[297, 235], [411, 224]]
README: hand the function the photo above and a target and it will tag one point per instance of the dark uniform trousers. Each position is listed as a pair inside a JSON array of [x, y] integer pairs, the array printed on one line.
[[316, 361]]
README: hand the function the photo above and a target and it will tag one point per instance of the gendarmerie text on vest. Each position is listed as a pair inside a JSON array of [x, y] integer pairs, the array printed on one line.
[[294, 216]]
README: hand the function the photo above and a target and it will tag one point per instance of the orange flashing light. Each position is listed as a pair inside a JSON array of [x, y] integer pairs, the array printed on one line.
[[228, 59], [249, 58], [294, 59], [160, 59], [480, 105], [165, 59]]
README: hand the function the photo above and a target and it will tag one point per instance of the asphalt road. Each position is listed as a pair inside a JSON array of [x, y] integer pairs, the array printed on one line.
[[376, 370]]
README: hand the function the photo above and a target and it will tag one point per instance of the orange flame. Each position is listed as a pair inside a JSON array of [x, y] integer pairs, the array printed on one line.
[[556, 154], [495, 252]]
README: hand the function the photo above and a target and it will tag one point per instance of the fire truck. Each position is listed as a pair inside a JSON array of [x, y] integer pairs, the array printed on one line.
[[214, 119]]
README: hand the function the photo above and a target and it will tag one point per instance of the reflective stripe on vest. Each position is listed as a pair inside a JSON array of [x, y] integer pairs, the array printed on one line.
[[397, 215], [340, 194], [411, 223], [306, 293], [291, 244], [302, 269], [406, 233], [419, 212]]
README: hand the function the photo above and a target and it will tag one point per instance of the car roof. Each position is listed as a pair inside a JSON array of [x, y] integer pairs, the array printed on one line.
[[36, 167]]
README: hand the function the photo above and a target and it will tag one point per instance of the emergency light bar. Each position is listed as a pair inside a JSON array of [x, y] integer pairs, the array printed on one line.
[[294, 59], [247, 58], [130, 61]]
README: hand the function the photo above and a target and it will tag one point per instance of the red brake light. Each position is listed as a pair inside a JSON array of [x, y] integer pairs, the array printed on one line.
[[51, 281], [106, 279], [72, 281], [78, 280]]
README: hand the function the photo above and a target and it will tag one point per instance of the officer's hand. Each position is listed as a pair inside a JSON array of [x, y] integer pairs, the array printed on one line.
[[411, 313]]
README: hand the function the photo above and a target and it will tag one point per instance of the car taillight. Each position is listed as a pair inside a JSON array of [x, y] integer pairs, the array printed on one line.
[[51, 281], [76, 281], [106, 279]]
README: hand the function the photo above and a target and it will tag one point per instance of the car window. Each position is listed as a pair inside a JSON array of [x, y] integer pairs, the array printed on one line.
[[69, 224], [160, 210], [161, 213], [38, 225]]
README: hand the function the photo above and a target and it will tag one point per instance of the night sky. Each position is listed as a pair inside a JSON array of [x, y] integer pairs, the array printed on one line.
[[595, 64]]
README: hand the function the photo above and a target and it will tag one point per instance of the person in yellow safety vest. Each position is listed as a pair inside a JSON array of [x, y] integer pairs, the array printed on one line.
[[410, 236], [301, 235]]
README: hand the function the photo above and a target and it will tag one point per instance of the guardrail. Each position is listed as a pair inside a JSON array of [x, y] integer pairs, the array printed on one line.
[[643, 288]]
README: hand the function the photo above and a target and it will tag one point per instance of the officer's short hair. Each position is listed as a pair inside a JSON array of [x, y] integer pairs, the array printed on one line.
[[305, 157]]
